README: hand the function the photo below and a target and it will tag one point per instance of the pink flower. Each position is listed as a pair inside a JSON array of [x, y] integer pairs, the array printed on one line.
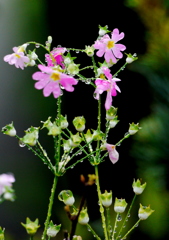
[[17, 58], [6, 180], [113, 154], [108, 46], [107, 85], [50, 80], [57, 58]]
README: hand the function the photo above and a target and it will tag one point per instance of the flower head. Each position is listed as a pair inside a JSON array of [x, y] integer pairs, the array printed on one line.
[[50, 79], [17, 58], [113, 154], [108, 85], [55, 57], [120, 205], [144, 212], [53, 229], [9, 130], [138, 188], [31, 227], [107, 46]]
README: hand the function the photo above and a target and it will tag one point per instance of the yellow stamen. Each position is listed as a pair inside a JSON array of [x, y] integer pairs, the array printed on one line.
[[110, 44], [16, 55], [55, 76]]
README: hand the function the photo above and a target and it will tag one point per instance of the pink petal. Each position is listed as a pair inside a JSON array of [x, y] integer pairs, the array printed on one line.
[[103, 85], [108, 101], [109, 56], [67, 82], [116, 36], [45, 68], [113, 154], [41, 84], [48, 89], [39, 76]]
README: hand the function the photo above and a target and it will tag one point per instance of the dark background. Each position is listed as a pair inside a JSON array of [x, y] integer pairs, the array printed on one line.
[[144, 99]]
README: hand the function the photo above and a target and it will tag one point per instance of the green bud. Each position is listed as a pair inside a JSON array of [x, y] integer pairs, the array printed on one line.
[[66, 145], [120, 205], [47, 124], [75, 237], [106, 199], [31, 136], [103, 30], [9, 194], [144, 212], [9, 130], [89, 51], [2, 237], [83, 217], [66, 196], [79, 123], [137, 187], [73, 68], [97, 135], [111, 113], [88, 136], [113, 122], [63, 122], [133, 128], [131, 58], [54, 130], [75, 140], [31, 227], [53, 229]]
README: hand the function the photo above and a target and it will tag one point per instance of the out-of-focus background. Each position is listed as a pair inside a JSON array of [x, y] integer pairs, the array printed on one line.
[[144, 99]]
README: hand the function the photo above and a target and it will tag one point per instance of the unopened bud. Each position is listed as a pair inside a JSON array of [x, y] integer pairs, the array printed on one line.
[[83, 217], [53, 229], [9, 130], [89, 51], [120, 205], [106, 199], [66, 196], [31, 227], [31, 136], [79, 123], [137, 187], [144, 212], [111, 113], [134, 128]]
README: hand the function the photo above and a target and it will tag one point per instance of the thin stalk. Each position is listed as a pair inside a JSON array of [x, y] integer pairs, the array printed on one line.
[[135, 225], [127, 215], [51, 199], [126, 136], [93, 232], [109, 227], [58, 142], [115, 226], [100, 204], [122, 68]]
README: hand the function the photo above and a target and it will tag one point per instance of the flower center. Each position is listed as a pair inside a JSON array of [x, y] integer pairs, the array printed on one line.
[[55, 76], [16, 55], [110, 44]]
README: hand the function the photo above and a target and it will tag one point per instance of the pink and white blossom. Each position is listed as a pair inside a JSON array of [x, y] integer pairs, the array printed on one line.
[[108, 46], [108, 85], [17, 58], [55, 57], [113, 154], [51, 79], [6, 180]]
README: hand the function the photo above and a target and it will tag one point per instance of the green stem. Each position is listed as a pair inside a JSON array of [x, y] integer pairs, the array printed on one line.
[[127, 216], [58, 138], [93, 232], [122, 68], [100, 204], [126, 136], [51, 199], [109, 227], [135, 225], [115, 225]]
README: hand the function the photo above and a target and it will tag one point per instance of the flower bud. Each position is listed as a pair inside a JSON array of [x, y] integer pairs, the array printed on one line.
[[31, 136], [144, 212], [113, 122], [63, 122], [49, 39], [9, 193], [120, 205], [103, 30], [47, 124], [97, 135], [131, 58], [89, 51], [88, 136], [9, 130], [75, 237], [73, 68], [106, 199], [54, 130], [111, 113], [66, 196], [31, 227], [83, 217], [133, 128], [2, 237], [137, 187], [79, 123], [53, 229], [75, 140]]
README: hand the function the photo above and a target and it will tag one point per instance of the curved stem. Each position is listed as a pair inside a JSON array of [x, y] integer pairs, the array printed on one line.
[[135, 225], [100, 204], [51, 199]]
